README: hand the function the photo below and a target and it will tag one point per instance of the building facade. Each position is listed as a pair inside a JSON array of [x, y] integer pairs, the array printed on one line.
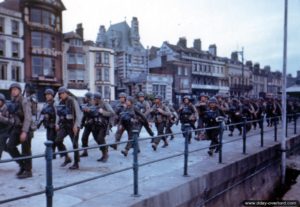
[[11, 48], [130, 55]]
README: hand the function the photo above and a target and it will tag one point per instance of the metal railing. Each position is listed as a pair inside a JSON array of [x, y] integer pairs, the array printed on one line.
[[50, 189]]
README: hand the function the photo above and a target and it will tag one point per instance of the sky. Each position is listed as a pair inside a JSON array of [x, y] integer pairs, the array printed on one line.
[[255, 25]]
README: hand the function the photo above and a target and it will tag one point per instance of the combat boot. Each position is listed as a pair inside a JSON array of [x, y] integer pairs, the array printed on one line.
[[25, 174], [114, 146], [125, 152], [75, 166], [20, 171], [104, 157], [84, 153], [67, 161], [165, 144], [210, 152], [154, 146]]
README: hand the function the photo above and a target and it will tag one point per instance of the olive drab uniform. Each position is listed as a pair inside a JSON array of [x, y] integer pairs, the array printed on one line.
[[68, 114], [144, 108], [201, 107], [171, 120], [101, 126], [47, 118], [187, 115], [130, 120], [160, 120], [20, 110], [6, 124], [120, 129]]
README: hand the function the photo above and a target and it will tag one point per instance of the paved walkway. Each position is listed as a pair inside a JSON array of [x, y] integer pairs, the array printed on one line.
[[116, 190]]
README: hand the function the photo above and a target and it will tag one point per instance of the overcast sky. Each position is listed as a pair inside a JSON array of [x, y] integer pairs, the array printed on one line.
[[256, 25]]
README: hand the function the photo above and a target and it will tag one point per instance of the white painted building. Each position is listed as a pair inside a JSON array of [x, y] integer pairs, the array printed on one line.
[[11, 48], [158, 84], [100, 71]]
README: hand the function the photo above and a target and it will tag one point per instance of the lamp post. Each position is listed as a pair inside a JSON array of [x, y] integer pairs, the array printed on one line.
[[242, 55]]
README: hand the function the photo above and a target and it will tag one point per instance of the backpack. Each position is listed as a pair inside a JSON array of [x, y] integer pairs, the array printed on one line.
[[34, 111]]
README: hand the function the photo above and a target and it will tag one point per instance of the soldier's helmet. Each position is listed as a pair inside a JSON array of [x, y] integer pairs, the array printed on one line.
[[203, 95], [97, 95], [186, 97], [141, 94], [212, 100], [131, 99], [159, 97], [88, 95], [62, 89], [2, 97], [15, 85], [49, 91], [122, 95]]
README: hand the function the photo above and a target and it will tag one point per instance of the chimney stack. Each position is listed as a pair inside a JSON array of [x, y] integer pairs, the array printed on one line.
[[182, 42], [212, 49], [79, 30], [197, 44]]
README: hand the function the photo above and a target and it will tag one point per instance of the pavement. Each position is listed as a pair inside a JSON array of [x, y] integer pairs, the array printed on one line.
[[116, 189]]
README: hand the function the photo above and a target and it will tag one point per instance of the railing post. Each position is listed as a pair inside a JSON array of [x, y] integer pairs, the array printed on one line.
[[286, 125], [262, 132], [275, 130], [295, 123], [220, 141], [244, 135], [49, 178], [135, 134], [186, 133]]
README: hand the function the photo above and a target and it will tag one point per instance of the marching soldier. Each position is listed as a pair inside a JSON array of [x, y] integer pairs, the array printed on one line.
[[119, 109], [130, 119], [5, 124], [172, 119], [235, 116], [21, 132], [211, 119], [48, 117], [101, 124], [143, 106], [201, 107], [68, 123], [160, 113], [187, 115], [86, 122]]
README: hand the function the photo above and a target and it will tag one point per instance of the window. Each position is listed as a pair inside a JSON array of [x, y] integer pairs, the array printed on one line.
[[72, 59], [43, 66], [185, 71], [106, 57], [184, 84], [15, 73], [3, 71], [106, 74], [129, 58], [42, 40], [15, 27], [80, 59], [76, 59], [106, 92], [2, 48], [143, 60], [2, 26], [99, 75], [98, 58], [15, 50], [42, 17], [179, 72], [159, 90], [76, 76]]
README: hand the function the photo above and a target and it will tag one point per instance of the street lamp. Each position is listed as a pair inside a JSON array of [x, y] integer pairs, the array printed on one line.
[[242, 55]]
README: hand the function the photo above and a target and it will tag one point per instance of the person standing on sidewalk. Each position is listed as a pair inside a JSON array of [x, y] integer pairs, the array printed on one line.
[[20, 110]]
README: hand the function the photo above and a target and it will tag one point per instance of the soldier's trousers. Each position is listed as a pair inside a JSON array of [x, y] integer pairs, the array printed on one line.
[[160, 131], [213, 135], [61, 134], [169, 128], [4, 134], [99, 134], [130, 145], [119, 133], [14, 141], [85, 136], [51, 136]]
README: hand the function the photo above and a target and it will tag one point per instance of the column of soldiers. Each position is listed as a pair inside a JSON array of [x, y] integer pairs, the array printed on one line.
[[97, 117]]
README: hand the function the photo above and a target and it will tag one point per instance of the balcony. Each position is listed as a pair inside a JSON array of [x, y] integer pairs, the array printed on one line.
[[209, 87]]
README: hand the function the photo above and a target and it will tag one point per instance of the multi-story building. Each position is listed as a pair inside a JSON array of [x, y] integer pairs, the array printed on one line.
[[239, 76], [194, 71], [259, 80], [130, 55], [11, 47], [88, 67]]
